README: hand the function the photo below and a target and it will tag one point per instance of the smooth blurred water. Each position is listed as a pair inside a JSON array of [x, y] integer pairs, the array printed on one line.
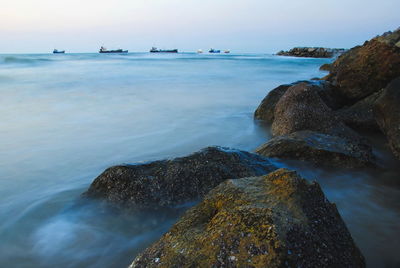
[[65, 118]]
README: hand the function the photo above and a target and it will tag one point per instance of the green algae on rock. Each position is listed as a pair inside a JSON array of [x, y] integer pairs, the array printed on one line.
[[276, 220], [320, 149], [175, 181]]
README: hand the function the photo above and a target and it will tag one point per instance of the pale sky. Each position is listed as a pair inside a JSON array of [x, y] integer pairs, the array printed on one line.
[[240, 25]]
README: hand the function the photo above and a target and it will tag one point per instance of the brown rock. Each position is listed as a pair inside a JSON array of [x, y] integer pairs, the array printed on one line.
[[277, 220], [301, 108], [366, 69], [387, 113], [360, 116], [320, 149]]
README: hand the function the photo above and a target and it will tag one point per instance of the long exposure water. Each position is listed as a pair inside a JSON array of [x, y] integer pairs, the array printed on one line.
[[65, 118]]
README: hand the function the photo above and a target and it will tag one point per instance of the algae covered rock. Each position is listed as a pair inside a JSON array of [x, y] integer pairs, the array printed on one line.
[[387, 113], [302, 108], [277, 220], [171, 182], [366, 69], [320, 149]]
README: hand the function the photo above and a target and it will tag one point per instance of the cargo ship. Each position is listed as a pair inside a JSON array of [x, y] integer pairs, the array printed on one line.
[[214, 51], [155, 50], [104, 50]]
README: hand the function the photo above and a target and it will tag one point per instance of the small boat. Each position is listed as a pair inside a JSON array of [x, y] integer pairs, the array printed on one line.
[[155, 50], [214, 51], [199, 51], [227, 51], [104, 50], [55, 51]]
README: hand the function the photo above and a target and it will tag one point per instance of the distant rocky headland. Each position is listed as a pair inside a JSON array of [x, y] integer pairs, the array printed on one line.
[[312, 52], [251, 213]]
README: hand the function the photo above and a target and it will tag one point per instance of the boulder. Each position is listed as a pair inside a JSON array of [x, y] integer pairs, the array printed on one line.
[[320, 149], [172, 182], [265, 111], [277, 220], [366, 69], [387, 114], [360, 116], [302, 108]]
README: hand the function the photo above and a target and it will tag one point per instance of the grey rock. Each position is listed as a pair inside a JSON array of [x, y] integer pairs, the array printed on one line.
[[320, 149], [172, 182]]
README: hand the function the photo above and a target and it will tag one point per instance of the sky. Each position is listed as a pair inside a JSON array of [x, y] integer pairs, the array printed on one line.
[[267, 26]]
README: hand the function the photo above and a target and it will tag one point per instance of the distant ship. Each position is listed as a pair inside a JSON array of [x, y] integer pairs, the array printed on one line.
[[104, 50], [227, 51], [155, 50], [55, 51], [199, 51], [214, 51]]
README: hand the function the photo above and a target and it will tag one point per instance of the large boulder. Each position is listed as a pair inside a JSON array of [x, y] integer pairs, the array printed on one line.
[[387, 113], [171, 182], [360, 116], [320, 149], [265, 111], [302, 108], [366, 69], [277, 220]]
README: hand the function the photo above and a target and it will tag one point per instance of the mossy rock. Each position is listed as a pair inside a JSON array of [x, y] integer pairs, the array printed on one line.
[[276, 220]]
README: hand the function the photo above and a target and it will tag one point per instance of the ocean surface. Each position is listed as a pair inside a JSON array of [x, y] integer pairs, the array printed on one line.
[[65, 118]]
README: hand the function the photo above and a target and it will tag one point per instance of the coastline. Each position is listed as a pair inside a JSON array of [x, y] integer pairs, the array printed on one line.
[[289, 116]]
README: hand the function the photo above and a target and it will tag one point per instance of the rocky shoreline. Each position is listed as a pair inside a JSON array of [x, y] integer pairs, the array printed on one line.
[[312, 52], [251, 213]]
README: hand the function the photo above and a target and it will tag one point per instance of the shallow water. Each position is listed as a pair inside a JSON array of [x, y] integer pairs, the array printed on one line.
[[65, 118]]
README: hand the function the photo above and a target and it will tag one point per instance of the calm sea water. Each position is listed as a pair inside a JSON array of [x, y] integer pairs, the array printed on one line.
[[65, 118]]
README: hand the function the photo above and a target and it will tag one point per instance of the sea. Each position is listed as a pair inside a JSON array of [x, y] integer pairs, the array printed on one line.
[[65, 118]]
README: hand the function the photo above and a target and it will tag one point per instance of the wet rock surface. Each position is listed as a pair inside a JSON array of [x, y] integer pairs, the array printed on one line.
[[171, 182], [320, 149], [360, 115], [387, 113], [276, 220], [302, 108], [312, 52], [266, 110], [366, 69]]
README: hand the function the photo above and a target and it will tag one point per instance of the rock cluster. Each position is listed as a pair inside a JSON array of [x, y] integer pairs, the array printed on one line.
[[277, 220], [253, 215], [355, 95], [312, 52]]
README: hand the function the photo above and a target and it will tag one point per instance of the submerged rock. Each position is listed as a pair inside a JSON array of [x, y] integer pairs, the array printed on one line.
[[312, 52], [360, 115], [320, 149], [277, 220], [366, 69], [302, 108], [171, 182], [387, 113]]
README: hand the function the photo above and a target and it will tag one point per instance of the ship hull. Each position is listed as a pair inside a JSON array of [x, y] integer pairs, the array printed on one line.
[[114, 51], [164, 51]]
